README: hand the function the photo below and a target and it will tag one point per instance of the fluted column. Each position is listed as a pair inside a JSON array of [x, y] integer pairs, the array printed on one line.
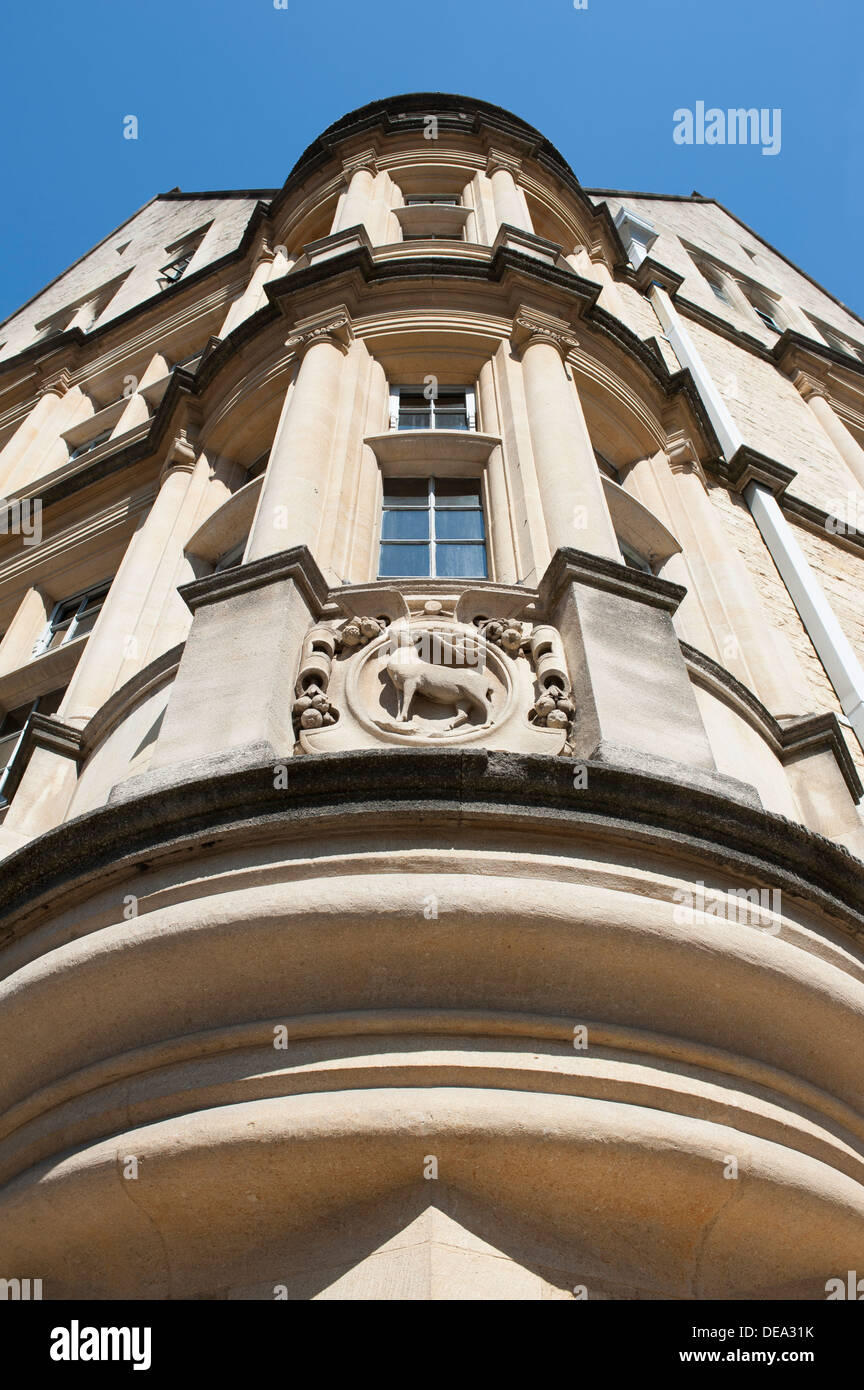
[[295, 485], [36, 432], [571, 491], [502, 171], [269, 261], [847, 446], [723, 601], [122, 633], [356, 207]]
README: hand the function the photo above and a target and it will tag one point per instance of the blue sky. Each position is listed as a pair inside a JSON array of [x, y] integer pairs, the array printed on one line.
[[229, 92]]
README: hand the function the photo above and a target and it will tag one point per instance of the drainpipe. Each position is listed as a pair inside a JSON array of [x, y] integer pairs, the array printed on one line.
[[843, 668]]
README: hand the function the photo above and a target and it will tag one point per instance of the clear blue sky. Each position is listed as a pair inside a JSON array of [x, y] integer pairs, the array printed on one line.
[[229, 92]]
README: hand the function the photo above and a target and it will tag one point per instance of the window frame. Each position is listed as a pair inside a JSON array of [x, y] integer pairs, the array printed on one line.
[[43, 641], [470, 405], [433, 541]]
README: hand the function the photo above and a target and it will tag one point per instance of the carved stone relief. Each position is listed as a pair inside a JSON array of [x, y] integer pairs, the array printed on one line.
[[422, 671]]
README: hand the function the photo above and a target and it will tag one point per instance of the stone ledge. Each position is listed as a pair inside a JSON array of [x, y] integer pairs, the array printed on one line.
[[570, 566], [330, 792], [297, 564]]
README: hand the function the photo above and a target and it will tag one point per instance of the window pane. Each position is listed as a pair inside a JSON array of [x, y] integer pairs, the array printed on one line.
[[457, 492], [459, 526], [86, 622], [461, 561], [450, 418], [415, 419], [405, 526], [406, 561], [406, 492]]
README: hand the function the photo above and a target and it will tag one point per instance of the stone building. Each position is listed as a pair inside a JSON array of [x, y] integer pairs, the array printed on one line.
[[432, 742]]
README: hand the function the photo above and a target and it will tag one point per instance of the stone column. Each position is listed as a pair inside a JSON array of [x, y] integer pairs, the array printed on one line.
[[722, 603], [22, 633], [847, 446], [594, 267], [36, 432], [356, 207], [571, 491], [293, 496], [510, 206], [269, 261], [636, 708], [120, 638]]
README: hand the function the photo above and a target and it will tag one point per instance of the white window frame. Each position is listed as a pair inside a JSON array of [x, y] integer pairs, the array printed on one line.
[[433, 540], [43, 640], [447, 200], [470, 403]]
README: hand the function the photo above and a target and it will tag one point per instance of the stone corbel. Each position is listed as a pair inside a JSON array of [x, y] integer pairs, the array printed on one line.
[[333, 327], [366, 159], [530, 327], [56, 385], [808, 386], [182, 455], [498, 159]]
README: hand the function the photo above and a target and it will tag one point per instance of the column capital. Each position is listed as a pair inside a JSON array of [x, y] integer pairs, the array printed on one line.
[[682, 454], [808, 386], [366, 159], [182, 455], [499, 159], [531, 328], [56, 385], [333, 327]]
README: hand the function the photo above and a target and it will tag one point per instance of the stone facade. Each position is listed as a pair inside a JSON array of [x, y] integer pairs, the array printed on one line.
[[430, 826]]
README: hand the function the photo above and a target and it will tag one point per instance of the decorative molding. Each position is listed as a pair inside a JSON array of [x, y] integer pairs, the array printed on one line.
[[333, 327], [749, 466], [296, 564], [808, 386], [56, 385], [392, 786], [570, 566], [366, 159], [531, 328], [499, 159]]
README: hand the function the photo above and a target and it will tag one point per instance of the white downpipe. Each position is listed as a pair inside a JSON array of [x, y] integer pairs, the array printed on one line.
[[830, 642]]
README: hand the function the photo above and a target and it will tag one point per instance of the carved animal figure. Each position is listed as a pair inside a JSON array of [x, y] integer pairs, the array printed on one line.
[[463, 687]]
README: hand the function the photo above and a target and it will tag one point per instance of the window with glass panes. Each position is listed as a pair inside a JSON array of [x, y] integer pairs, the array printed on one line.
[[449, 409], [72, 617], [432, 528]]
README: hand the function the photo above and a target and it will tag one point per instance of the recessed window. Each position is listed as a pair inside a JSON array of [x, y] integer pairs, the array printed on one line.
[[424, 199], [13, 727], [415, 408], [172, 272], [85, 448], [633, 559], [767, 311], [72, 617], [432, 528], [719, 292]]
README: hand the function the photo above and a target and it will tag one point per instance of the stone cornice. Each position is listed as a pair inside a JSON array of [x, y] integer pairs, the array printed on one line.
[[810, 733], [329, 792], [47, 731], [570, 566], [748, 466], [296, 564]]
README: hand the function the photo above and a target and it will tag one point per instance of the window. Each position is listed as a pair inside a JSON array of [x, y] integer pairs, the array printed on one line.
[[767, 309], [633, 559], [231, 558], [450, 408], [72, 617], [424, 199], [432, 528], [171, 273], [719, 292], [89, 444], [13, 727]]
